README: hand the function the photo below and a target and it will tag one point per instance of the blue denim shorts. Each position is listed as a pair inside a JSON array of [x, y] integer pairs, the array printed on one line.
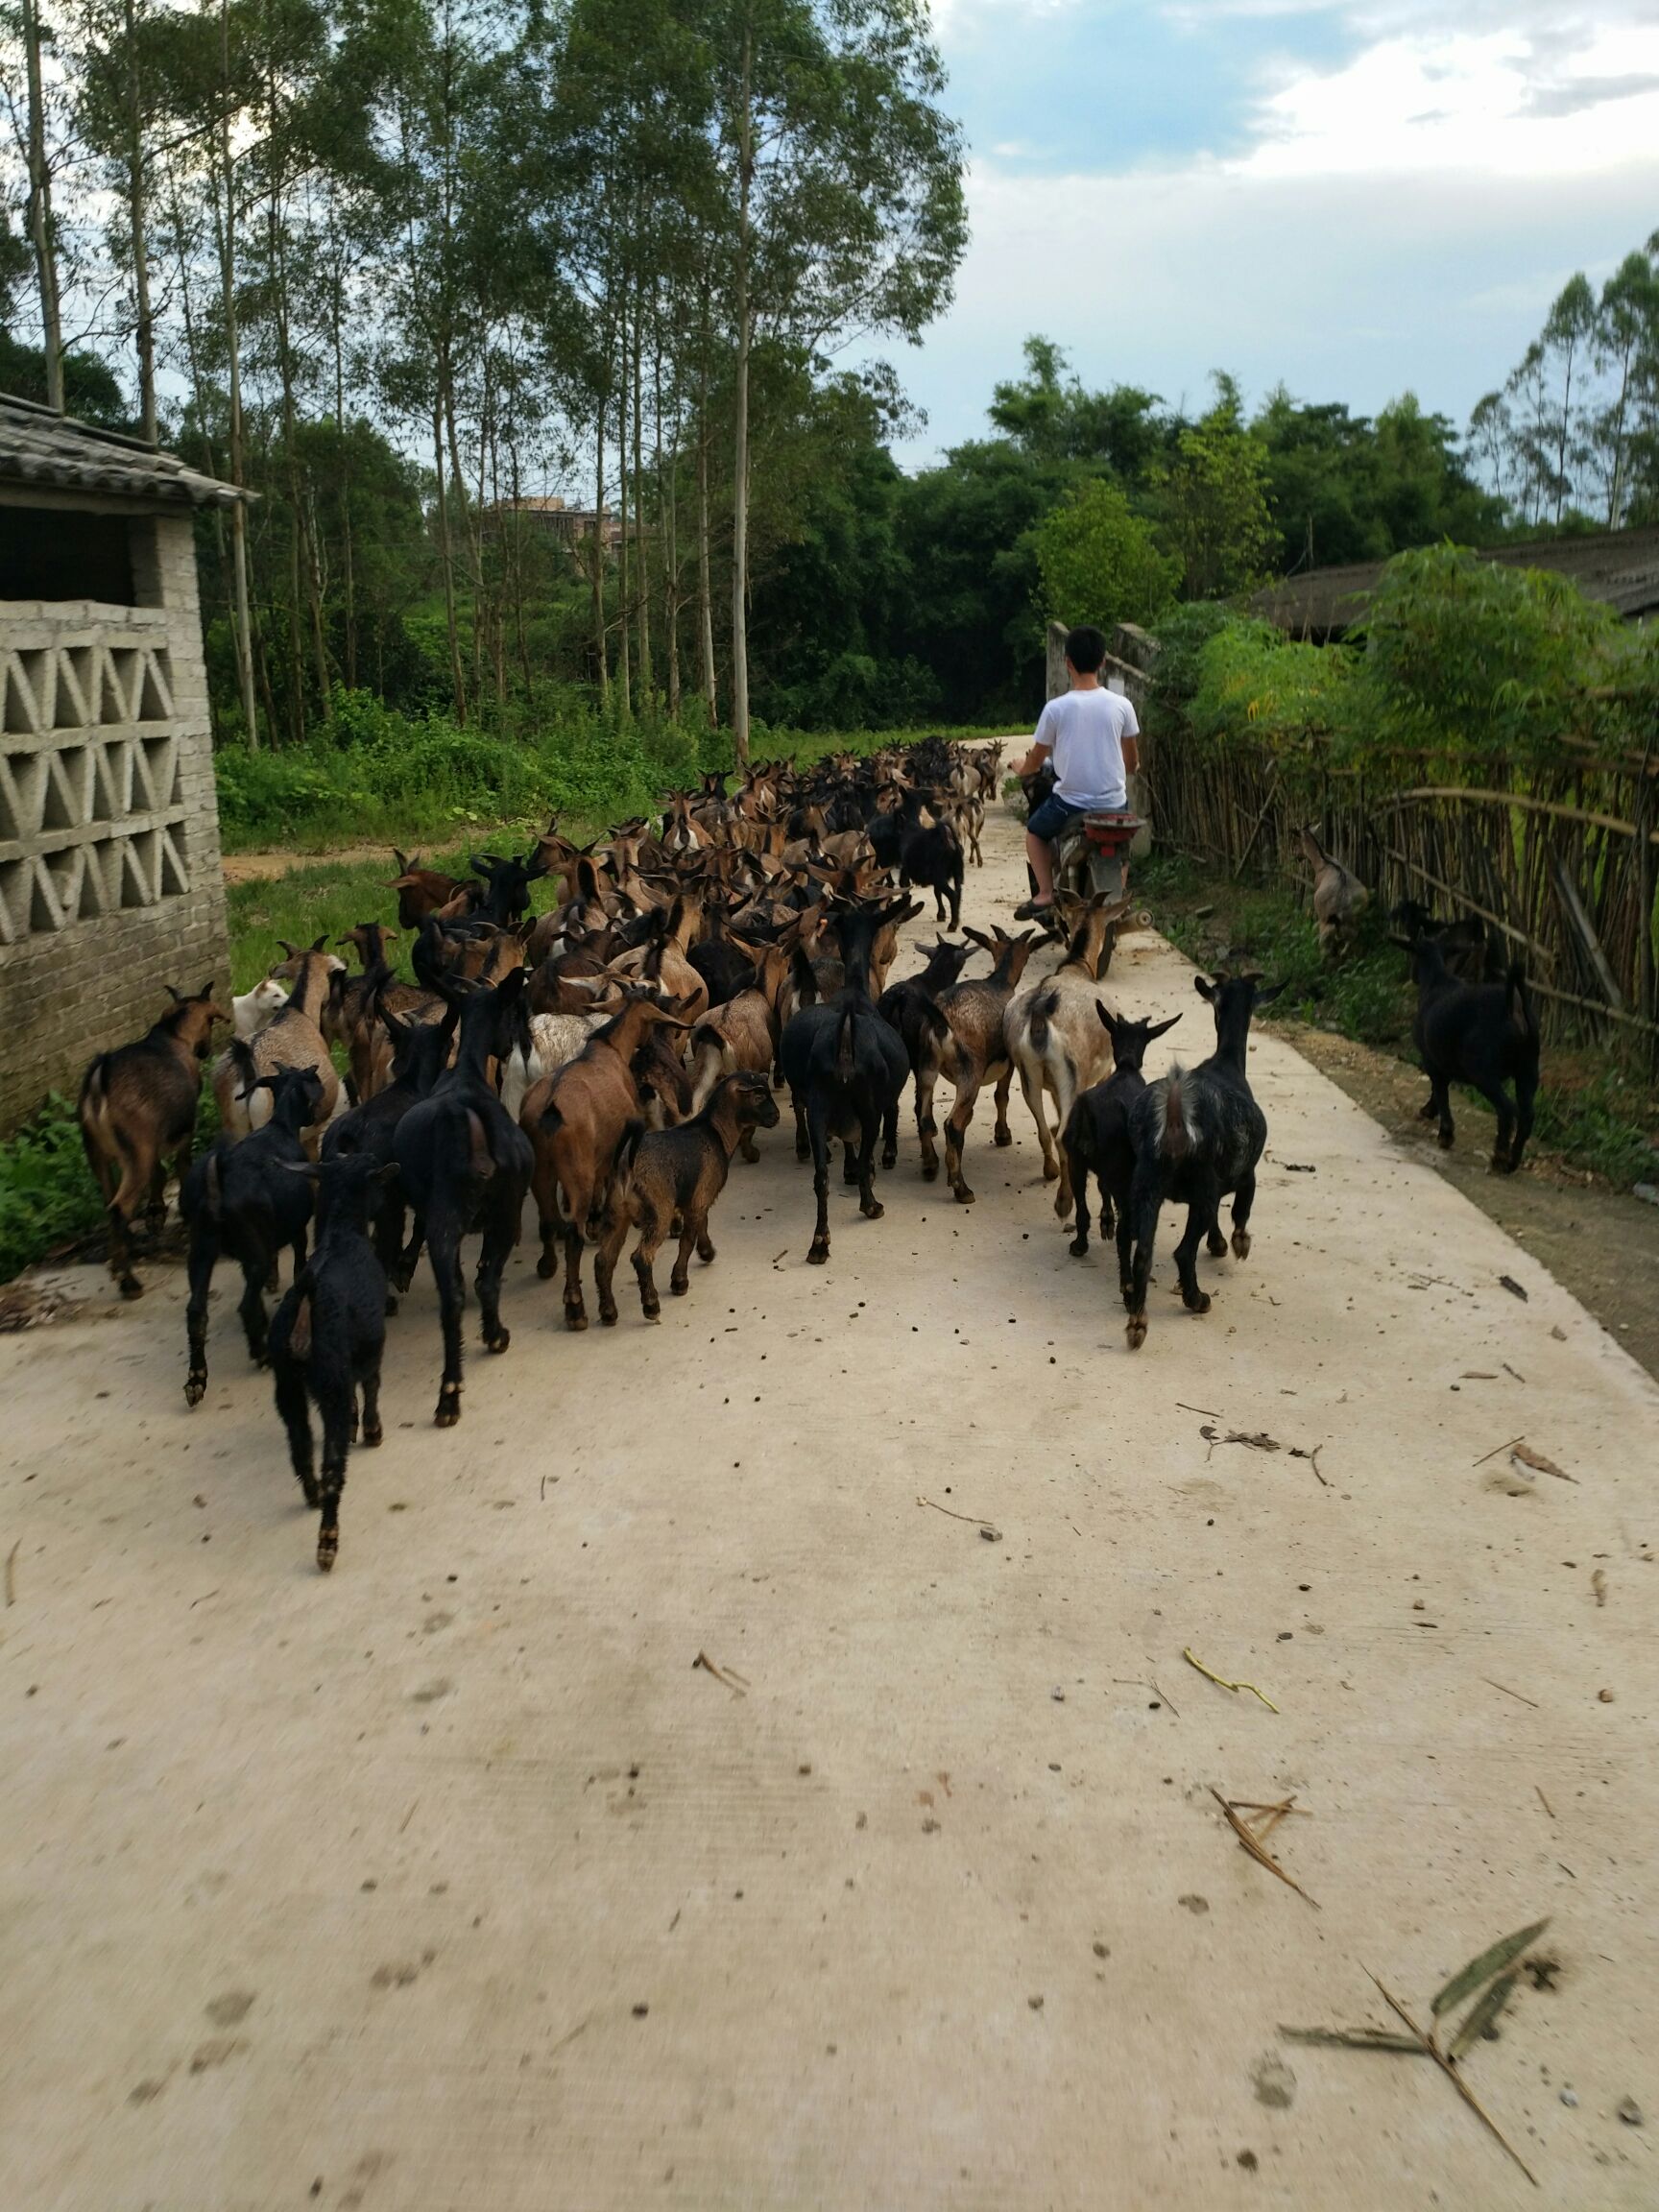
[[1050, 819]]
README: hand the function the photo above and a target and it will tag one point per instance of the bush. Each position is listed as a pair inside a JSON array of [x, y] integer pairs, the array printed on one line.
[[48, 1197]]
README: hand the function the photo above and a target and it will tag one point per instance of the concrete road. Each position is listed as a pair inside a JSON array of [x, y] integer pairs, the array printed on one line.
[[452, 1884]]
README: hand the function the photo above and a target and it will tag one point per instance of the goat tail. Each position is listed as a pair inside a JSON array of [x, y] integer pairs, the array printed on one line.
[[211, 1189], [1177, 1139], [1043, 1008], [845, 1056], [247, 1070]]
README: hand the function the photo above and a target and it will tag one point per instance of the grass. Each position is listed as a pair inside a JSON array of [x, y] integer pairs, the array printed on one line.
[[48, 1198], [1595, 1112]]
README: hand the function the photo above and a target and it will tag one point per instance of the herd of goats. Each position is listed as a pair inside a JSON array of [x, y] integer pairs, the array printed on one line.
[[612, 1054]]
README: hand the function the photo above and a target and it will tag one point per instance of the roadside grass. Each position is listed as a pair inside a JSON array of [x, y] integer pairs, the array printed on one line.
[[1595, 1112]]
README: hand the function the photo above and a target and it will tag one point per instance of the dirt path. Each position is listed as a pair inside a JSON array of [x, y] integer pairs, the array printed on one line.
[[453, 1885]]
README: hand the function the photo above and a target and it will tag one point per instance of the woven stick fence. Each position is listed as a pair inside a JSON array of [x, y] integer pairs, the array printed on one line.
[[1563, 862]]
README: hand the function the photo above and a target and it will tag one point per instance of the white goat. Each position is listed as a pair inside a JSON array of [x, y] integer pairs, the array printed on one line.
[[1053, 1035]]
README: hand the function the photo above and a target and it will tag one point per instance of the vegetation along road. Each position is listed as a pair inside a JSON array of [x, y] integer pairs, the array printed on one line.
[[764, 1759]]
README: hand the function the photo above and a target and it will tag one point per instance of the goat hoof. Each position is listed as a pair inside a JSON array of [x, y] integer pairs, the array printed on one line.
[[372, 1437], [1240, 1243], [964, 1197], [1425, 1112], [575, 1317], [889, 1159], [1002, 1137], [1050, 1173], [195, 1389], [448, 1412], [546, 1268], [1198, 1303], [1135, 1331], [328, 1550], [607, 1316], [818, 1256], [1445, 1140], [1078, 1247], [929, 1170], [499, 1341], [872, 1208], [131, 1287]]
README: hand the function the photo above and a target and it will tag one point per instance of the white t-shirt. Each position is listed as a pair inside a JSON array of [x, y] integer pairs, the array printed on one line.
[[1084, 732]]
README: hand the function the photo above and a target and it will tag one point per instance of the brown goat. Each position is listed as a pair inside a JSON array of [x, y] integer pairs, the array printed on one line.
[[969, 1051], [137, 1108], [662, 1175], [574, 1119], [293, 1038], [421, 891]]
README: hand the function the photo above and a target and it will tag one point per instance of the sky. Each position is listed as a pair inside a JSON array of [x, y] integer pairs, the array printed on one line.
[[1356, 196]]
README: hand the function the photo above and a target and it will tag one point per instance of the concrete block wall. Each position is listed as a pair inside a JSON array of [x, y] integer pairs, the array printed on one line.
[[110, 886]]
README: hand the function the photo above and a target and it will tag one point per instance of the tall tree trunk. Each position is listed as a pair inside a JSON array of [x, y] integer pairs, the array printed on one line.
[[144, 336], [244, 625], [349, 577], [740, 410], [601, 643], [624, 576], [704, 565], [446, 558], [641, 563], [666, 502], [40, 213]]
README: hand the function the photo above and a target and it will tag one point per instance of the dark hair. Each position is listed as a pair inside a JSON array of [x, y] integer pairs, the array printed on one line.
[[1086, 648]]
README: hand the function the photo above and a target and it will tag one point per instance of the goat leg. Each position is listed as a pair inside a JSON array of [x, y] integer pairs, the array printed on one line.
[[803, 1134], [818, 1128], [1141, 1227], [692, 1235], [1200, 1212], [337, 1404], [575, 1308], [443, 1238], [372, 1429], [926, 1128], [890, 1129], [295, 1408], [204, 1252], [1079, 1245], [1243, 1199], [869, 1205], [612, 1237], [1002, 1135], [256, 1271], [501, 1234], [1214, 1242]]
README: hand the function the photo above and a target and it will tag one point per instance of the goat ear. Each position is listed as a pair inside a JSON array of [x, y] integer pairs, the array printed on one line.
[[1106, 1020], [287, 949], [1204, 988], [1266, 997], [1158, 1029], [322, 943], [401, 865], [176, 997]]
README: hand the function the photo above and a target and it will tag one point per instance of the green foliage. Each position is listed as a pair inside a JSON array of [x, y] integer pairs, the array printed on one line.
[[1212, 500], [47, 1195], [1254, 684], [1098, 562], [1474, 658]]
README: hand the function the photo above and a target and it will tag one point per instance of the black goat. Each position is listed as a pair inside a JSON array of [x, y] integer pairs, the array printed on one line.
[[1198, 1134], [1483, 1034], [418, 1052], [243, 1199], [1097, 1135], [328, 1334], [1473, 951], [507, 885], [464, 1163], [846, 1069]]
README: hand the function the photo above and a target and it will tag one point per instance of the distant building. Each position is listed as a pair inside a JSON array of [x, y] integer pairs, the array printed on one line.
[[568, 525], [110, 886], [1619, 567]]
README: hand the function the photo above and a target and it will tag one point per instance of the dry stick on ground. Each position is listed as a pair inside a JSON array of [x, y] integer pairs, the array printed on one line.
[[1508, 1692], [1252, 1843], [1313, 1459], [973, 1520], [12, 1572], [732, 1681], [1221, 1682], [1434, 2052], [1493, 1454]]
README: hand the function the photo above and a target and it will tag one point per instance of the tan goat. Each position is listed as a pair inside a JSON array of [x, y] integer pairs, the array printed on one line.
[[291, 1039]]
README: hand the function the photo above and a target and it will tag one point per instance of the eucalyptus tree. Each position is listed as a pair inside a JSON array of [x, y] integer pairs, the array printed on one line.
[[841, 180]]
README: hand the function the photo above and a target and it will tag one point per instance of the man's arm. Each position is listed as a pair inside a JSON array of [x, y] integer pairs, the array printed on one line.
[[1131, 754], [1040, 748], [1131, 738]]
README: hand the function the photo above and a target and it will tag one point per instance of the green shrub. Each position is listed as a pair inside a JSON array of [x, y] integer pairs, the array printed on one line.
[[47, 1195]]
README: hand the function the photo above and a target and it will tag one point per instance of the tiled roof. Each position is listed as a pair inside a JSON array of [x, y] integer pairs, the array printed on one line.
[[1620, 567], [56, 452]]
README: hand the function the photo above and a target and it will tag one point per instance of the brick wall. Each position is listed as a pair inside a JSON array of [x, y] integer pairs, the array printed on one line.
[[109, 871]]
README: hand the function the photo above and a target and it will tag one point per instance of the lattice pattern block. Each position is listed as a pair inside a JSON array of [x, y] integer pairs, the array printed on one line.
[[89, 686], [47, 891]]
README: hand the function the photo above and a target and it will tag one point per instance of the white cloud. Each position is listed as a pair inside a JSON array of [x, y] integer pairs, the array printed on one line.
[[1463, 103]]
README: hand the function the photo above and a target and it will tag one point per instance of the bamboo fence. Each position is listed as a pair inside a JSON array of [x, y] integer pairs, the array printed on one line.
[[1562, 862]]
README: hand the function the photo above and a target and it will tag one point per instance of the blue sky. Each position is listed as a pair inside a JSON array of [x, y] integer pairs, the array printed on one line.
[[1360, 196]]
